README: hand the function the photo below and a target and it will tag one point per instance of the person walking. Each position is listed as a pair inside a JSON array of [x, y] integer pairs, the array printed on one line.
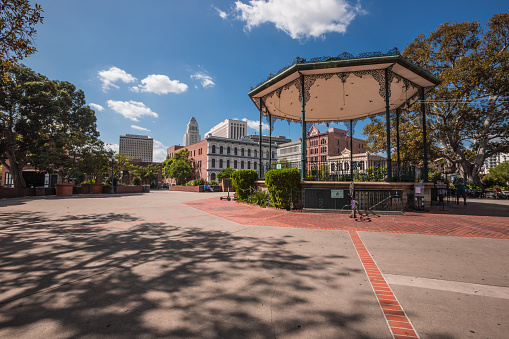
[[461, 191]]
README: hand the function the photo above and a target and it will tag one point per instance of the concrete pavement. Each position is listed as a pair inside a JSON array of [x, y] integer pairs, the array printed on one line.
[[186, 265]]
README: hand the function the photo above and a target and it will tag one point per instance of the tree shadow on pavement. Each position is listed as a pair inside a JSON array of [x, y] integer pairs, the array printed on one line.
[[153, 279]]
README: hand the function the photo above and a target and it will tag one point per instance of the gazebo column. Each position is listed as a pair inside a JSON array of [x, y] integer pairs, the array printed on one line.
[[424, 138], [351, 150], [388, 126], [260, 168], [304, 130], [270, 141], [397, 144]]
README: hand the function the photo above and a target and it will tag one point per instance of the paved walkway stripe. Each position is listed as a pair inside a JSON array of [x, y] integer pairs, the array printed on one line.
[[396, 318], [449, 286]]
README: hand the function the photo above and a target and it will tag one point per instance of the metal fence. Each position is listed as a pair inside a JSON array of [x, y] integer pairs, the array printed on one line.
[[373, 170]]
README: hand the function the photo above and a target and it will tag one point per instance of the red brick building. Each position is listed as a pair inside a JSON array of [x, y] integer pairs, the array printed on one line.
[[322, 145]]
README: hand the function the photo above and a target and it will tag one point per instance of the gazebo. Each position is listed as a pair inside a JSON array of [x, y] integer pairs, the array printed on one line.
[[345, 89]]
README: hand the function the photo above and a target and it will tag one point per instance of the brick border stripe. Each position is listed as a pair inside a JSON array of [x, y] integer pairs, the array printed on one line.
[[396, 318]]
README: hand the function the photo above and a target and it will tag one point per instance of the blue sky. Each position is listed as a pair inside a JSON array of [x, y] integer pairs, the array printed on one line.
[[147, 67]]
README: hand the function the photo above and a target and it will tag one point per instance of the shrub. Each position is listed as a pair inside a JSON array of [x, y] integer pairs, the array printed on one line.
[[136, 181], [283, 184], [242, 180], [260, 198], [199, 182], [215, 183], [90, 181]]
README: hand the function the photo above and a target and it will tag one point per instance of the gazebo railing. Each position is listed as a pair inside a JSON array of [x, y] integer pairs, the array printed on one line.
[[339, 170]]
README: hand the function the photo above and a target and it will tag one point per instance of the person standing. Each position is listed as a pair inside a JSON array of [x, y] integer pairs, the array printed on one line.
[[461, 191]]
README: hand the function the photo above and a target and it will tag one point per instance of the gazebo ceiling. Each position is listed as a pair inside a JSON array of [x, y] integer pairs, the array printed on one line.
[[342, 90]]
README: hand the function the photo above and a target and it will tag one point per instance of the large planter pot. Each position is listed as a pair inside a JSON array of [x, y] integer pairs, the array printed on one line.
[[85, 188], [96, 188], [64, 189]]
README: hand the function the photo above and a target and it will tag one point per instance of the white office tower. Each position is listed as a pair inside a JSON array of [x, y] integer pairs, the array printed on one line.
[[230, 128], [192, 135], [137, 147]]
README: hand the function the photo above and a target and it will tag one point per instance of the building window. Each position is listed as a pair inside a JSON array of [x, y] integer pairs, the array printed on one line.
[[324, 158], [249, 165], [213, 163], [220, 163], [249, 152], [235, 151], [311, 151], [213, 148], [273, 155], [255, 166], [242, 165], [213, 176], [323, 141], [228, 163], [235, 164], [228, 150], [267, 154], [255, 153], [220, 149], [8, 179], [242, 152], [324, 149]]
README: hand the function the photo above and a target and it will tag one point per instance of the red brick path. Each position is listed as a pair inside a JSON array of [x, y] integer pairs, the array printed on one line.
[[397, 320], [439, 223]]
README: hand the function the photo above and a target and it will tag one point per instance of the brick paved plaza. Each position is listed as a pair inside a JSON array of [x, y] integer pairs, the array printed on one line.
[[187, 265]]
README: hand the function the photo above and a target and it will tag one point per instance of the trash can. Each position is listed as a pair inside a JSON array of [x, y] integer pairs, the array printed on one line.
[[146, 188]]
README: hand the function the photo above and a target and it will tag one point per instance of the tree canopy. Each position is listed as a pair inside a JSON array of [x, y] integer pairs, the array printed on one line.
[[467, 112], [42, 122], [17, 30]]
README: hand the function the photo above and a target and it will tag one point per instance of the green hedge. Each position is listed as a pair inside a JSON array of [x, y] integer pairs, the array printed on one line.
[[242, 181], [283, 184]]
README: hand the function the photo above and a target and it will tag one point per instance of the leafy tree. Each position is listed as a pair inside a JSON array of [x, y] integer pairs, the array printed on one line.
[[180, 170], [225, 173], [94, 160], [42, 122], [410, 131], [182, 155], [17, 30], [467, 113], [497, 176], [469, 110], [145, 172]]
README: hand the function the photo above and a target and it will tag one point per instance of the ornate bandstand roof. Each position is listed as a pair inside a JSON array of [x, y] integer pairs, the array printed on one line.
[[342, 88]]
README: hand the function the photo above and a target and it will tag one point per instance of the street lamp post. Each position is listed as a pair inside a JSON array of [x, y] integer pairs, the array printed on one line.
[[112, 159]]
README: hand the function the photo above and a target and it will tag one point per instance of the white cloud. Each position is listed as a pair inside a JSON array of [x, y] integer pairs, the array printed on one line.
[[221, 13], [255, 124], [140, 128], [112, 75], [160, 84], [159, 154], [96, 107], [206, 80], [299, 18], [131, 109], [113, 147]]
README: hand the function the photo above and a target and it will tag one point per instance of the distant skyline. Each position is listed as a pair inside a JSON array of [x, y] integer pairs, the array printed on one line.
[[147, 67]]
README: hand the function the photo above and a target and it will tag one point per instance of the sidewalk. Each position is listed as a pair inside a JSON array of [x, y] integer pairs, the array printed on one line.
[[187, 265]]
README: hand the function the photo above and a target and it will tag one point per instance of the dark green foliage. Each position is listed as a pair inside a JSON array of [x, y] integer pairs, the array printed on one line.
[[225, 173], [180, 170], [243, 181], [260, 198], [498, 177], [283, 184], [136, 181]]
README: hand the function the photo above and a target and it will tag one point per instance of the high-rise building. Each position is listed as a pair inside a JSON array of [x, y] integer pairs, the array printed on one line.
[[137, 146], [192, 135], [229, 128]]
